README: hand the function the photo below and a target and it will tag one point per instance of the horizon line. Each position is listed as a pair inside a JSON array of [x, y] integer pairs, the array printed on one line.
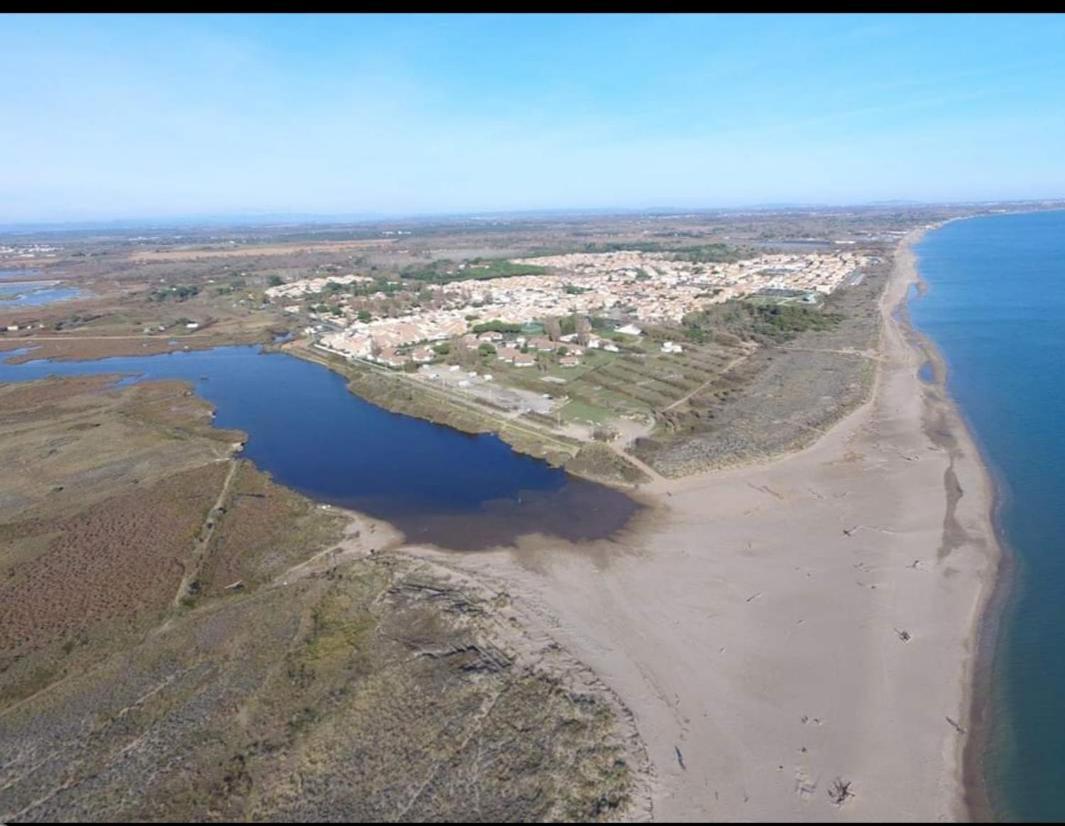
[[302, 218]]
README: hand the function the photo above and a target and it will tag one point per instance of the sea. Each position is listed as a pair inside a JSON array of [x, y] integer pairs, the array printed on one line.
[[995, 307]]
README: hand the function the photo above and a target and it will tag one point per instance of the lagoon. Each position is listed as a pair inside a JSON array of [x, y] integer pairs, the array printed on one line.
[[16, 292], [310, 433]]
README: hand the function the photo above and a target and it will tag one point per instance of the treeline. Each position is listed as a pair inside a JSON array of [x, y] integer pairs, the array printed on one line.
[[444, 271], [762, 322], [716, 253], [177, 292], [711, 254], [496, 326]]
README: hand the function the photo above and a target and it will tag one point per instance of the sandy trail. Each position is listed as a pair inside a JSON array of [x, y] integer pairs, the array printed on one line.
[[775, 627]]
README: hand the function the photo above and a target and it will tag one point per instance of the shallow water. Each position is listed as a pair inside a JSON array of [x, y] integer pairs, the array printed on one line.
[[434, 483], [995, 306], [16, 293]]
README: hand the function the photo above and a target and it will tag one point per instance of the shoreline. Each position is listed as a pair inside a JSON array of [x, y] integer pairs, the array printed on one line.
[[717, 631], [989, 625]]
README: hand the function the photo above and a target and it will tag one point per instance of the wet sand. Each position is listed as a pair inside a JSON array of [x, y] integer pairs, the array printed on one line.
[[778, 627]]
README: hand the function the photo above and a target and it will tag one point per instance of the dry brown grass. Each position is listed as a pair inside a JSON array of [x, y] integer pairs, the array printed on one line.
[[193, 254], [88, 347], [265, 530], [376, 692], [32, 397], [69, 443], [104, 489], [118, 560]]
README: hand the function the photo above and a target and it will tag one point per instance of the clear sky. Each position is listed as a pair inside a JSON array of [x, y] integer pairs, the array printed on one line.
[[142, 116]]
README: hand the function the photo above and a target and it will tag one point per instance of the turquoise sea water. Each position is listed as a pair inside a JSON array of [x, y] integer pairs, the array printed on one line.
[[995, 306]]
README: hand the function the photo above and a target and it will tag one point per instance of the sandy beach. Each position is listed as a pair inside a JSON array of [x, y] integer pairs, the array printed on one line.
[[781, 629]]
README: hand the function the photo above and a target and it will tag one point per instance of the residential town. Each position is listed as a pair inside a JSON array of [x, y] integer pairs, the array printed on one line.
[[308, 286], [9, 251], [628, 286]]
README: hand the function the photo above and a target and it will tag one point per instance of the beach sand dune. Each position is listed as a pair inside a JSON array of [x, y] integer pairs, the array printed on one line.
[[794, 639]]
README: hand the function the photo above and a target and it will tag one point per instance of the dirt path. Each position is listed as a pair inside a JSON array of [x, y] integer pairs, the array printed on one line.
[[210, 524], [642, 465], [716, 377], [873, 356]]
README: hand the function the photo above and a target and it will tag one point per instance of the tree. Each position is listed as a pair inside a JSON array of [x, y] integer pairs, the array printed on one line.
[[584, 329], [274, 281], [364, 316], [466, 357], [553, 329], [496, 326]]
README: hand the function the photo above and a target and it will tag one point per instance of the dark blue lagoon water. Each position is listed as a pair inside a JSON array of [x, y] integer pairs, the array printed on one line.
[[306, 429], [995, 306]]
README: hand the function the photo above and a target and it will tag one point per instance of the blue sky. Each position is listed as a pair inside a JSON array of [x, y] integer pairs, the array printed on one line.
[[145, 116]]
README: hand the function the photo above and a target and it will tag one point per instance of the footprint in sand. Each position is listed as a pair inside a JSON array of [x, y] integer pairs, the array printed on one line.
[[804, 785]]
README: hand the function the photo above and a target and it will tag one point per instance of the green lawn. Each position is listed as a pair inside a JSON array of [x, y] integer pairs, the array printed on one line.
[[579, 411]]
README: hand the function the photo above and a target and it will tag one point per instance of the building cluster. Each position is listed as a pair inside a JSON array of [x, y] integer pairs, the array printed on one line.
[[659, 286], [379, 340], [310, 286], [633, 286], [28, 251]]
